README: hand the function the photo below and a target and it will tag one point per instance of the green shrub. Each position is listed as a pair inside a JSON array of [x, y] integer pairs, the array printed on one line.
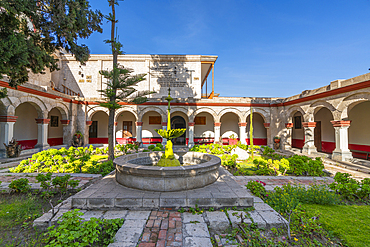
[[229, 161], [267, 151], [349, 188], [151, 147], [303, 165], [73, 231], [159, 145], [157, 149], [20, 185], [257, 188], [103, 168]]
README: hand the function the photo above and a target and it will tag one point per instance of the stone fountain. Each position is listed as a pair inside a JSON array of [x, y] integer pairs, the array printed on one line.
[[167, 171]]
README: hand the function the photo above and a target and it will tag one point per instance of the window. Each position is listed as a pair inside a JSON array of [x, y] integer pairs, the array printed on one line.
[[127, 129], [154, 119], [200, 120], [297, 122], [54, 121]]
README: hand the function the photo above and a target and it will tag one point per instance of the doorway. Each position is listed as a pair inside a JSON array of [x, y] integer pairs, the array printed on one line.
[[317, 136], [178, 122], [93, 130]]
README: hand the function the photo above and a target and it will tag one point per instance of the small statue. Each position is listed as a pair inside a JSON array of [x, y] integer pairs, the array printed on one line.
[[78, 139], [13, 149]]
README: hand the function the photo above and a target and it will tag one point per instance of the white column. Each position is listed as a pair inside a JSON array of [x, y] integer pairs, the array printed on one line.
[[164, 127], [6, 132], [114, 133], [191, 134], [309, 137], [268, 135], [341, 151], [287, 141], [42, 133], [139, 127], [217, 130], [242, 133]]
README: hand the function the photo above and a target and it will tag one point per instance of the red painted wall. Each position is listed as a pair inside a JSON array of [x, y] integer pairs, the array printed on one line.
[[327, 147], [358, 147], [28, 144], [98, 140], [125, 140], [257, 141], [297, 143], [55, 141]]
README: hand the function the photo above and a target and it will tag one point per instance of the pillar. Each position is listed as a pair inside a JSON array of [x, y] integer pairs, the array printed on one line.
[[139, 127], [341, 151], [268, 135], [287, 141], [309, 137], [164, 127], [67, 135], [217, 130], [42, 133], [191, 134], [243, 133], [114, 133], [6, 132]]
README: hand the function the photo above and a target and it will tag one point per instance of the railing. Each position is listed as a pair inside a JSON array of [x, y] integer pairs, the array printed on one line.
[[69, 91]]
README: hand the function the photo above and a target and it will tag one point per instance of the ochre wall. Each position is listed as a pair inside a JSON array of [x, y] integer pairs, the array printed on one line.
[[205, 130], [125, 116], [259, 130], [102, 119], [229, 125], [359, 131], [55, 132], [148, 129], [25, 128]]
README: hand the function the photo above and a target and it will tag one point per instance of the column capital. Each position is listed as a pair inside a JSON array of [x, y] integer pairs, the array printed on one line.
[[288, 125], [139, 123], [217, 124], [65, 121], [88, 123], [42, 120], [164, 123], [267, 125], [308, 124], [191, 124], [242, 124], [341, 123], [11, 119]]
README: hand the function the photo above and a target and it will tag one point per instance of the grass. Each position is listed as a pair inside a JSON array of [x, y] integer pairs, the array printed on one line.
[[350, 223]]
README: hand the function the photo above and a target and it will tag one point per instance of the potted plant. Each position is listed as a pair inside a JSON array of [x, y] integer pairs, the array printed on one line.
[[233, 140], [277, 139], [78, 139]]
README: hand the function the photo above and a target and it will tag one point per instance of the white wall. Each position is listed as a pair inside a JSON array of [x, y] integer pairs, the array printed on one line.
[[259, 130], [55, 132], [125, 116], [148, 129], [359, 131], [26, 127], [298, 133], [229, 125], [102, 119], [327, 130], [205, 130]]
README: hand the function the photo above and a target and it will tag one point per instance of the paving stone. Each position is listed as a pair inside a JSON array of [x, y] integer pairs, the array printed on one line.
[[196, 230], [262, 206], [187, 217], [273, 219], [122, 244], [172, 202], [42, 221], [257, 218], [150, 202], [235, 220], [96, 203], [128, 202], [218, 220], [115, 214], [197, 242], [128, 234], [134, 223], [140, 215], [92, 214]]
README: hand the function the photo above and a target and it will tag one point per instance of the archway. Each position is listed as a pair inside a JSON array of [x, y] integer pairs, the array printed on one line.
[[259, 130], [178, 122], [204, 128], [229, 126], [359, 130], [151, 120], [297, 131], [324, 135], [125, 129], [98, 130], [25, 128], [55, 128]]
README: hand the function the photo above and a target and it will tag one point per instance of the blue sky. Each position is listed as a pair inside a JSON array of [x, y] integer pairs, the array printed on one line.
[[264, 48]]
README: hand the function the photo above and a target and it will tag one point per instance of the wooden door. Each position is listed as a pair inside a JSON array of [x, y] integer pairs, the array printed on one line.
[[127, 129], [317, 136], [93, 130]]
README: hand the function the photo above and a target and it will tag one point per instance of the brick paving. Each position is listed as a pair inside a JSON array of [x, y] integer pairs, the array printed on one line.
[[163, 228]]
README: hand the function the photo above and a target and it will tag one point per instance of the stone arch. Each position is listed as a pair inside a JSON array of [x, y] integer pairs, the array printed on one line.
[[93, 110], [125, 109], [149, 109], [263, 113], [292, 110], [351, 101], [317, 106], [184, 110], [204, 109], [231, 110], [63, 109], [34, 101]]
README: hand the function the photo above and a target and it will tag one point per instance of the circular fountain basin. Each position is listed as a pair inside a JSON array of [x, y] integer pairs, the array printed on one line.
[[139, 171]]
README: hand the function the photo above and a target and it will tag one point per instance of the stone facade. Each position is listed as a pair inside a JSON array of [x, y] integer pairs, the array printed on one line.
[[56, 105]]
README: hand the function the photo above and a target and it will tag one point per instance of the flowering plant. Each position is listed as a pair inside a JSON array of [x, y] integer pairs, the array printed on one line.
[[257, 188]]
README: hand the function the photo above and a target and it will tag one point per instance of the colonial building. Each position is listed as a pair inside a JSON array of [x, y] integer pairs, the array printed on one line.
[[50, 108]]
